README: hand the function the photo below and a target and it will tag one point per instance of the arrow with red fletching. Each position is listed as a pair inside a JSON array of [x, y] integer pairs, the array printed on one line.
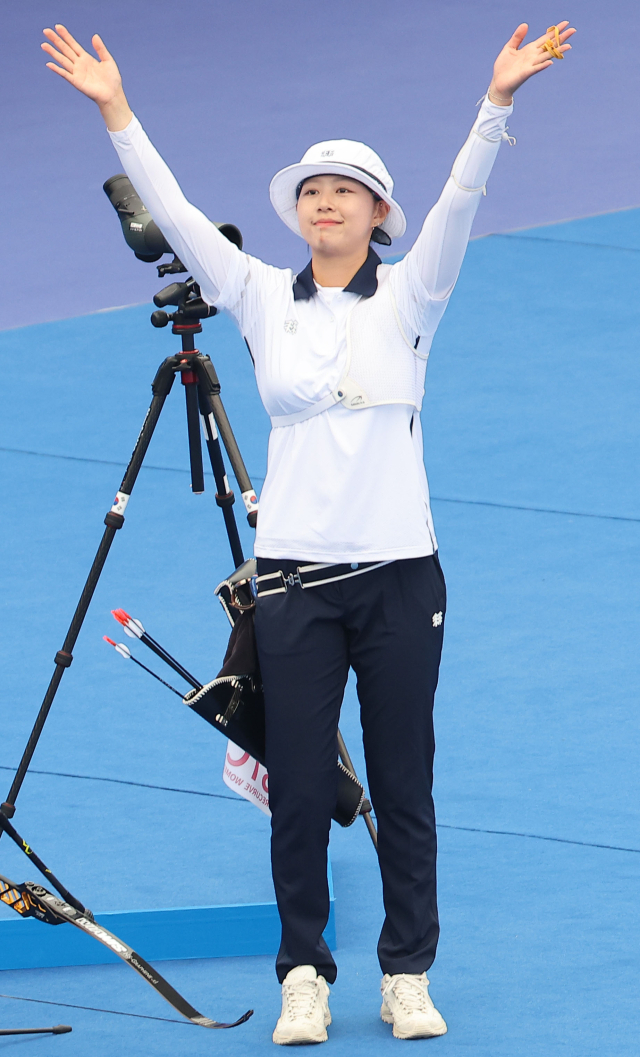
[[125, 652], [135, 630]]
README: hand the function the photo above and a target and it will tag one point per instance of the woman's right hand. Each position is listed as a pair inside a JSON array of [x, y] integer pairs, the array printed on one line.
[[99, 79]]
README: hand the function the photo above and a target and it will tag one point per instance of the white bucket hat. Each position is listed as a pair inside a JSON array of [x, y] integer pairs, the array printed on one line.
[[339, 157]]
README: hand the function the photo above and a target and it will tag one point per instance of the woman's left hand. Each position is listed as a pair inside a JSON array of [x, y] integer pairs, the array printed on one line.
[[515, 65]]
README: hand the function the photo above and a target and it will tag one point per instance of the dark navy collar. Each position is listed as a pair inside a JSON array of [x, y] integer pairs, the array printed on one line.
[[364, 282]]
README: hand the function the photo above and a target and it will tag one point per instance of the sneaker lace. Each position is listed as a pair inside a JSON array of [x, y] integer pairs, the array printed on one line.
[[411, 992], [301, 998]]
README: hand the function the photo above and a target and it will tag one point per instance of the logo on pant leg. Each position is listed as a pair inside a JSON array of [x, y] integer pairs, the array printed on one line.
[[436, 620]]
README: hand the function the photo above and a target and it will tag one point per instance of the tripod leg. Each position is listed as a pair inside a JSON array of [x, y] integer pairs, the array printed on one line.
[[114, 520], [346, 759], [210, 391], [5, 826], [224, 496], [190, 383]]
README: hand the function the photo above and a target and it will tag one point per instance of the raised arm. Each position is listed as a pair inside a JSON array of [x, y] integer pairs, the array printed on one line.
[[215, 262], [429, 271]]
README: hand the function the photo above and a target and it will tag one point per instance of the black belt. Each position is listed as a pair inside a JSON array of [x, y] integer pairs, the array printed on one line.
[[278, 583]]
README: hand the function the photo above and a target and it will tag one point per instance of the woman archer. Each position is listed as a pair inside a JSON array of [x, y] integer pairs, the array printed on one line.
[[348, 570]]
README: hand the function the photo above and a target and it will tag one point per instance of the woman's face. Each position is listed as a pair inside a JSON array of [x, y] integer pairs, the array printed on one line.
[[337, 214]]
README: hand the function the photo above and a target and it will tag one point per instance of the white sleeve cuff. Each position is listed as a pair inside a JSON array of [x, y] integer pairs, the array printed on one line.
[[491, 120], [124, 134]]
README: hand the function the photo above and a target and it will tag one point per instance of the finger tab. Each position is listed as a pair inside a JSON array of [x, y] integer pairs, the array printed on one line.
[[553, 46]]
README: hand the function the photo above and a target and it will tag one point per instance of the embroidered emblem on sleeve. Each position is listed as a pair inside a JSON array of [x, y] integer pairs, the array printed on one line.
[[290, 326], [436, 620]]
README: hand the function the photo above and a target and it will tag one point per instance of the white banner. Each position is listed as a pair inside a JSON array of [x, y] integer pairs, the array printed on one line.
[[247, 777]]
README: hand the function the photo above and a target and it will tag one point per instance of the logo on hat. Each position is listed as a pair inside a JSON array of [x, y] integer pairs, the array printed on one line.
[[327, 153]]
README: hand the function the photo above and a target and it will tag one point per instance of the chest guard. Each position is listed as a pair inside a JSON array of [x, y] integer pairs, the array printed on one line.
[[382, 366]]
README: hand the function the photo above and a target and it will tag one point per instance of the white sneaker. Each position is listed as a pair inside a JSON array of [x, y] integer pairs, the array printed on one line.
[[406, 1004], [305, 1008]]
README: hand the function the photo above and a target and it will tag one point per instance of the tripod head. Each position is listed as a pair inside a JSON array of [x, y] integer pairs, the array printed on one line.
[[190, 307]]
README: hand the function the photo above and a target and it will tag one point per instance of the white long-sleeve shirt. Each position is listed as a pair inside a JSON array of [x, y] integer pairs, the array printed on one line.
[[342, 485]]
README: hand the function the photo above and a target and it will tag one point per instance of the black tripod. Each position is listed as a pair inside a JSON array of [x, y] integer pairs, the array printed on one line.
[[202, 392]]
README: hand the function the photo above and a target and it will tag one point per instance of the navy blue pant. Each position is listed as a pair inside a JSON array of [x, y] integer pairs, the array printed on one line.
[[388, 626]]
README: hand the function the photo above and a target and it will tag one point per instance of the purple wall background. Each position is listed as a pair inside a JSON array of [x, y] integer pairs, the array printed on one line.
[[230, 92]]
